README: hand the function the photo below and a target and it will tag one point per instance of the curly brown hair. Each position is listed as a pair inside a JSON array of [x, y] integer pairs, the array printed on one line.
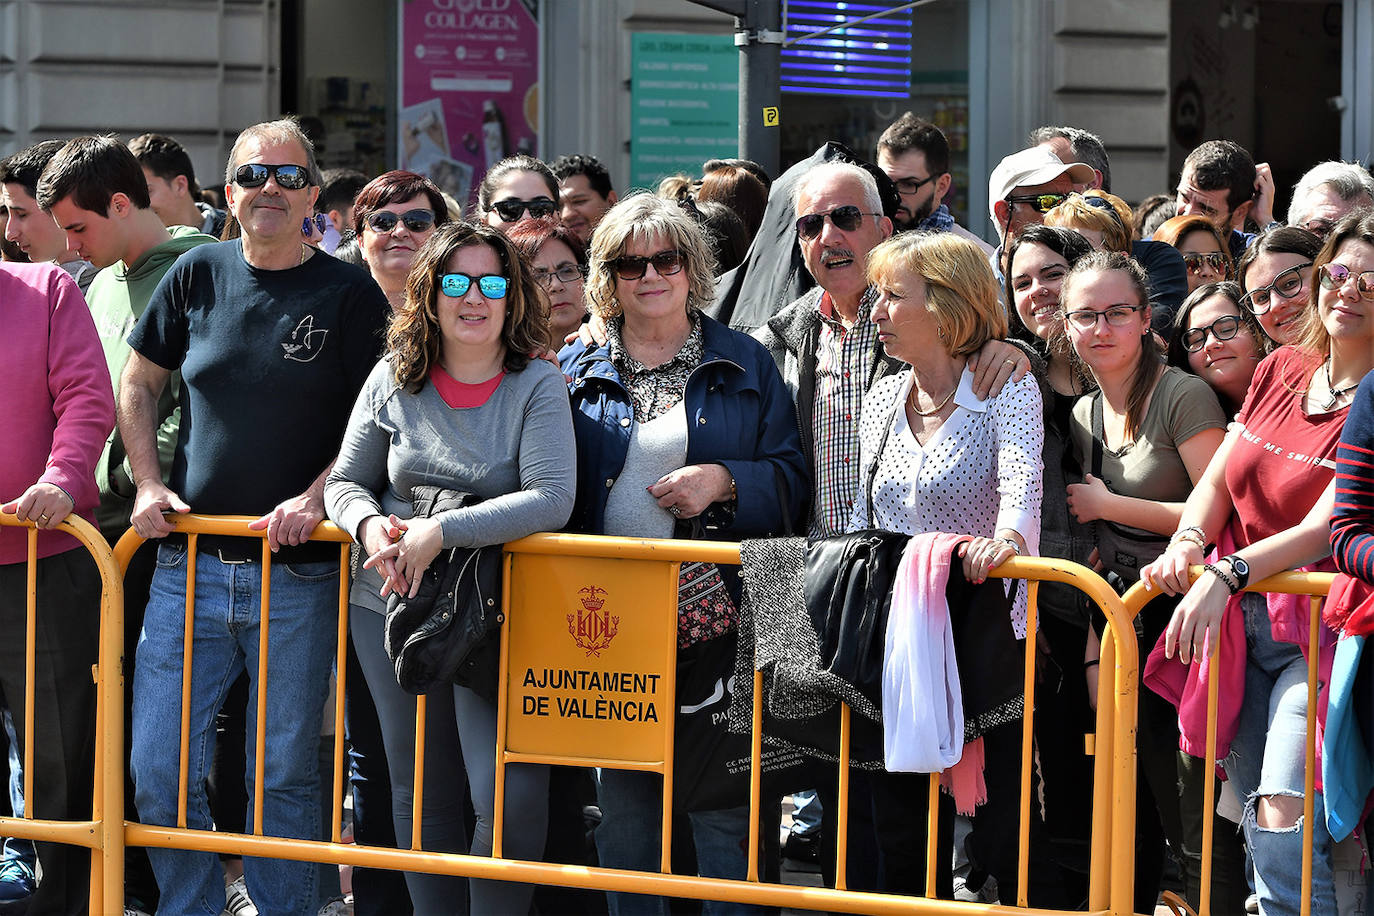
[[414, 338]]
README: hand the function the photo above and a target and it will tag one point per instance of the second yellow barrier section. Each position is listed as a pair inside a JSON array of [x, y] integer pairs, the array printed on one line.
[[607, 607]]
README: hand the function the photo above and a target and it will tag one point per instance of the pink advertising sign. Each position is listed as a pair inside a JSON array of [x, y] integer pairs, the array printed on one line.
[[469, 88]]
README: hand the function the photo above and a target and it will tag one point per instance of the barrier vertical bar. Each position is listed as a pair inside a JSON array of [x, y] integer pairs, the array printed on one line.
[[755, 777], [842, 798], [1027, 745], [932, 833], [30, 662], [188, 640], [1209, 804], [1123, 780], [1314, 615], [260, 738], [340, 690], [111, 729], [1099, 862], [417, 778]]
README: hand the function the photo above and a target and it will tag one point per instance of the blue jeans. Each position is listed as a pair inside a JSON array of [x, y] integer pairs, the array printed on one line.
[[630, 836], [1268, 756], [15, 848], [304, 618]]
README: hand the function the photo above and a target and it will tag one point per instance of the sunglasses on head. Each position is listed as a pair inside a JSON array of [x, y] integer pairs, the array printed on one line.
[[1286, 284], [255, 175], [1333, 276], [1044, 203], [383, 221], [492, 286], [511, 208], [1195, 261], [318, 221], [633, 266], [846, 219], [1224, 328]]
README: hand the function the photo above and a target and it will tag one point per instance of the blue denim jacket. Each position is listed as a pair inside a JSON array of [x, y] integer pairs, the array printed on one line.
[[739, 414]]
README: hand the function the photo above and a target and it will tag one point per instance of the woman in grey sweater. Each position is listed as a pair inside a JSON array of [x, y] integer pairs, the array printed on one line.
[[455, 403]]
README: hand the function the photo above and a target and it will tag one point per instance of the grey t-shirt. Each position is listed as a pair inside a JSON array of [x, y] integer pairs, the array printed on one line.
[[515, 451]]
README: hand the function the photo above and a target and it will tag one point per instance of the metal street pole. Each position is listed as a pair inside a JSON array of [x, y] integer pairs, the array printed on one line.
[[759, 36]]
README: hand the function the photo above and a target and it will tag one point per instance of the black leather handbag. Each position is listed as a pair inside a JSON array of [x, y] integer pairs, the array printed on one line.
[[449, 632]]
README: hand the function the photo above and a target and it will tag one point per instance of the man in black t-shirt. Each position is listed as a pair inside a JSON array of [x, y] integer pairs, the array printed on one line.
[[273, 341]]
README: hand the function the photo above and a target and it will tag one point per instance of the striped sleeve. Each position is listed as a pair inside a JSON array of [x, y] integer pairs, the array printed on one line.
[[1352, 522]]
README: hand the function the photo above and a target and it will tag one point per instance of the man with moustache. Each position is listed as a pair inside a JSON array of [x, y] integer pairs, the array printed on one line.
[[273, 340]]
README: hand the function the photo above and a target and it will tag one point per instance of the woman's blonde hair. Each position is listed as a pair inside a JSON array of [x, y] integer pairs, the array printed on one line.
[[414, 338], [1358, 226], [1076, 212], [961, 289], [640, 218]]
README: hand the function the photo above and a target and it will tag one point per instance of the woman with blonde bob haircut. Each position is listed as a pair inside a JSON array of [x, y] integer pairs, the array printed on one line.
[[934, 457], [456, 403], [684, 428], [639, 218], [1101, 218]]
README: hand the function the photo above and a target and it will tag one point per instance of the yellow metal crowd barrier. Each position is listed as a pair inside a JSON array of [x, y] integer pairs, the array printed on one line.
[[103, 834], [573, 579], [1316, 585]]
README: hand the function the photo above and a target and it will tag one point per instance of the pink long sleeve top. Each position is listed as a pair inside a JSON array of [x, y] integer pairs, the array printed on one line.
[[56, 403]]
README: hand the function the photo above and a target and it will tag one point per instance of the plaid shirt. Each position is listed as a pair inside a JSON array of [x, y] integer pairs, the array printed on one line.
[[843, 357]]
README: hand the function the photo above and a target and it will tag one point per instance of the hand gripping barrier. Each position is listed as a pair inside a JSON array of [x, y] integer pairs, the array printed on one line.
[[1316, 585], [103, 833], [562, 595]]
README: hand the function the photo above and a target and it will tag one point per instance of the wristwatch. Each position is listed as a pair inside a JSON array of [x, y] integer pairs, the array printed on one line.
[[1239, 568]]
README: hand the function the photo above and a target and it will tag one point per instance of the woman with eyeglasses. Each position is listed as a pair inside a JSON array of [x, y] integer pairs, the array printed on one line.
[[1276, 273], [518, 188], [1143, 439], [1219, 341], [1205, 253], [393, 215], [684, 428], [1266, 500], [455, 403], [558, 260]]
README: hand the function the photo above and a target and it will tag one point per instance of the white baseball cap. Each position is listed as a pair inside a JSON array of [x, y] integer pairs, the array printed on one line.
[[1029, 167]]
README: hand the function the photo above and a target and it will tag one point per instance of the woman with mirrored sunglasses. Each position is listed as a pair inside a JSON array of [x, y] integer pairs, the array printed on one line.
[[393, 215], [455, 403], [1143, 439], [1206, 255], [1219, 341], [520, 187], [559, 262], [1276, 274], [684, 428], [1266, 501]]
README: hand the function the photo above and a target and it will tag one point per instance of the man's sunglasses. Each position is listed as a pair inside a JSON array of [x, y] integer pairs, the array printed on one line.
[[1333, 276], [1286, 284], [511, 208], [633, 266], [846, 219], [255, 175], [1224, 328], [1044, 203], [912, 185], [383, 221], [492, 286], [1215, 260]]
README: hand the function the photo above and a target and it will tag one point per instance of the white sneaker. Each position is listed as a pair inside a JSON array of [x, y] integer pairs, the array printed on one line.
[[236, 900]]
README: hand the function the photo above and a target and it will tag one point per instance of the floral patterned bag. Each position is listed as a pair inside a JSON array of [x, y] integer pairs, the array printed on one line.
[[704, 607]]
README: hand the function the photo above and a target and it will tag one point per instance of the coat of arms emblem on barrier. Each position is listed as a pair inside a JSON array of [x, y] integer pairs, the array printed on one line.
[[592, 627]]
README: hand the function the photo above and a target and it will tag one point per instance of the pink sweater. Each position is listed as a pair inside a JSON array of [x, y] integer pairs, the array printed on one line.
[[55, 397]]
